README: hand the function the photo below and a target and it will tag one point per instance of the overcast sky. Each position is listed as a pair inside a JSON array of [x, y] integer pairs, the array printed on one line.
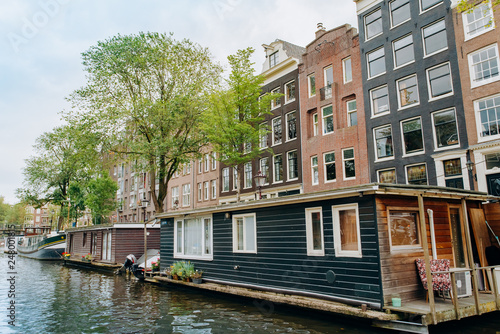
[[41, 42]]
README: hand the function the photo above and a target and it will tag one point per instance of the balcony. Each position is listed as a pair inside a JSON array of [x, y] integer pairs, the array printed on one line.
[[326, 92]]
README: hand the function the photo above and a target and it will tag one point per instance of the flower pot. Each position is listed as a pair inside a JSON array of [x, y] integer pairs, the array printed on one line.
[[197, 280], [169, 276], [175, 277]]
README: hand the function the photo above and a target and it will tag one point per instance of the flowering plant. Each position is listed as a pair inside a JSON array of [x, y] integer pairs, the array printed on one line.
[[87, 257], [66, 255], [155, 265]]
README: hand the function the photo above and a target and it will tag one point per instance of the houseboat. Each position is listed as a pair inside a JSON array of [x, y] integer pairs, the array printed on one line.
[[42, 244], [357, 246]]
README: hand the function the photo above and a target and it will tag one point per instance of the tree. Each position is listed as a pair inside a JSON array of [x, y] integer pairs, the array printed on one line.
[[16, 214], [4, 210], [232, 122], [144, 98], [467, 5], [100, 198]]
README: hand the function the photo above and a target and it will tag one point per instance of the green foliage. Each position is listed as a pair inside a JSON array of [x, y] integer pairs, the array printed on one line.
[[468, 5], [143, 100], [100, 198], [4, 210]]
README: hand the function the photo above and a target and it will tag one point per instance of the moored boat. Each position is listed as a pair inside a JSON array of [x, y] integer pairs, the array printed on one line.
[[42, 244]]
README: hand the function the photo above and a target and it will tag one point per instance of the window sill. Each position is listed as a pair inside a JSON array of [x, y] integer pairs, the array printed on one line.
[[468, 37], [432, 99], [409, 106], [434, 53], [376, 76], [399, 24], [413, 154], [192, 257], [369, 39], [439, 149], [485, 82], [404, 65], [384, 159], [381, 114]]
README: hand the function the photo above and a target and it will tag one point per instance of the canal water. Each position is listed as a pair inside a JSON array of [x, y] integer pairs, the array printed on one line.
[[52, 298]]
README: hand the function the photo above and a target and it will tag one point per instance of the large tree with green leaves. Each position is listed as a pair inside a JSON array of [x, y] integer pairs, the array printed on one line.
[[144, 97], [232, 121], [100, 197]]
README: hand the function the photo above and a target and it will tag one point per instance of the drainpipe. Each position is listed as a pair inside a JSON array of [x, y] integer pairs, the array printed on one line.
[[433, 236]]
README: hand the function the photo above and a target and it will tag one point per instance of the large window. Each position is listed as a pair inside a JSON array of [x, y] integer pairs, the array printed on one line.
[[225, 179], [445, 128], [244, 233], [290, 91], [387, 175], [376, 62], [329, 162], [403, 228], [403, 51], [349, 166], [293, 169], [314, 170], [248, 175], [327, 115], [400, 11], [264, 168], [453, 173], [278, 168], [416, 174], [408, 91], [439, 81], [193, 238], [311, 81], [346, 231], [200, 192], [412, 136], [315, 124], [263, 135], [314, 232], [373, 24], [213, 186], [277, 101], [427, 4], [352, 113], [186, 194], [291, 125], [205, 190], [383, 142], [479, 20], [327, 90], [347, 67], [277, 131], [483, 66], [379, 100], [175, 196], [273, 59], [434, 36], [488, 113]]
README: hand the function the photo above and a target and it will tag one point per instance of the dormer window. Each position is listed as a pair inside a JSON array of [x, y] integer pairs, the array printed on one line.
[[273, 59]]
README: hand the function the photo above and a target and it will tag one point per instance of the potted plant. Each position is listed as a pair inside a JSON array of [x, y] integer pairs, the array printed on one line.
[[196, 277], [188, 271], [155, 266], [175, 269], [66, 256], [168, 272], [87, 258]]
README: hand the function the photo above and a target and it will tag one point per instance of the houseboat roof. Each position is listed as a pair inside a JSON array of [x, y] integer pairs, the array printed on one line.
[[112, 226], [367, 189]]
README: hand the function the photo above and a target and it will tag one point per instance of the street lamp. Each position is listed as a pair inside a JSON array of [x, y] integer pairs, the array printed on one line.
[[260, 179], [51, 218], [145, 203], [470, 166]]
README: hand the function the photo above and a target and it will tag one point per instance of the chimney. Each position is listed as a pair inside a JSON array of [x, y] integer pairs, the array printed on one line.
[[321, 30]]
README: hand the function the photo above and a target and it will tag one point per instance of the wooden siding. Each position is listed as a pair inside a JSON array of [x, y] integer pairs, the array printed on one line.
[[492, 213], [127, 241], [281, 261]]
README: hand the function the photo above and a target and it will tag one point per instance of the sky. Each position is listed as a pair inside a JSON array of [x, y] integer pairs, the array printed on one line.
[[41, 42]]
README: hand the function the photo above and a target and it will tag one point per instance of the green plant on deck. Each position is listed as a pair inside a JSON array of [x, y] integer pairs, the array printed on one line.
[[155, 266], [182, 269], [197, 274]]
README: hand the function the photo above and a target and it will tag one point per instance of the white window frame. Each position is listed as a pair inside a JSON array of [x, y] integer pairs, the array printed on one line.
[[329, 163], [323, 119], [225, 179], [205, 191], [288, 170], [372, 104], [248, 176], [404, 248], [423, 39], [200, 165], [411, 105], [200, 192], [368, 63], [274, 105], [310, 233], [175, 196], [287, 100], [314, 170], [474, 83], [480, 137], [385, 170], [309, 86], [394, 51], [417, 164], [288, 128], [315, 118], [181, 255], [436, 147], [263, 135], [377, 158], [214, 160], [405, 154], [350, 111], [274, 143], [365, 27], [429, 88], [206, 159], [344, 161], [264, 172], [391, 12], [235, 234], [186, 195], [339, 252], [483, 8], [430, 8], [347, 69], [213, 185], [235, 179], [274, 168]]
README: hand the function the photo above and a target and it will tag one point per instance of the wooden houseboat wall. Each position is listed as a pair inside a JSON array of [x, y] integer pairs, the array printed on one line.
[[124, 239]]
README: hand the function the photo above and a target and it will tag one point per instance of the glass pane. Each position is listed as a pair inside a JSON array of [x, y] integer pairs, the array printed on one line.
[[387, 176], [417, 175], [208, 237], [192, 237], [440, 80], [403, 50], [435, 38], [408, 91], [376, 62], [179, 237], [426, 4], [348, 230], [400, 11], [403, 228], [380, 99], [373, 23], [452, 167], [239, 233], [250, 233], [446, 128], [316, 230]]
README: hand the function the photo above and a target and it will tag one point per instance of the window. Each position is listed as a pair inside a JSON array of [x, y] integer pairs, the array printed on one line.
[[403, 51], [200, 192], [349, 167], [225, 179], [206, 160], [434, 36], [247, 147], [453, 173], [311, 85], [235, 179], [205, 190], [315, 124], [416, 174], [248, 175], [347, 67], [244, 233], [346, 231], [376, 62], [186, 193], [278, 168], [439, 81], [273, 59], [293, 169], [400, 11], [200, 165], [214, 188], [387, 176], [483, 66], [314, 170], [264, 168], [412, 136], [373, 24], [175, 196], [488, 112], [408, 91], [327, 90], [291, 125], [492, 160], [314, 232], [379, 100], [214, 160], [404, 228], [263, 135], [277, 101], [445, 128], [193, 238], [329, 159], [383, 142], [290, 91], [352, 115], [277, 132], [327, 114], [478, 21]]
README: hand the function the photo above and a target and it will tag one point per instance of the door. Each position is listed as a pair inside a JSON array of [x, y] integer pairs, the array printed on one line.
[[493, 181], [457, 238]]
